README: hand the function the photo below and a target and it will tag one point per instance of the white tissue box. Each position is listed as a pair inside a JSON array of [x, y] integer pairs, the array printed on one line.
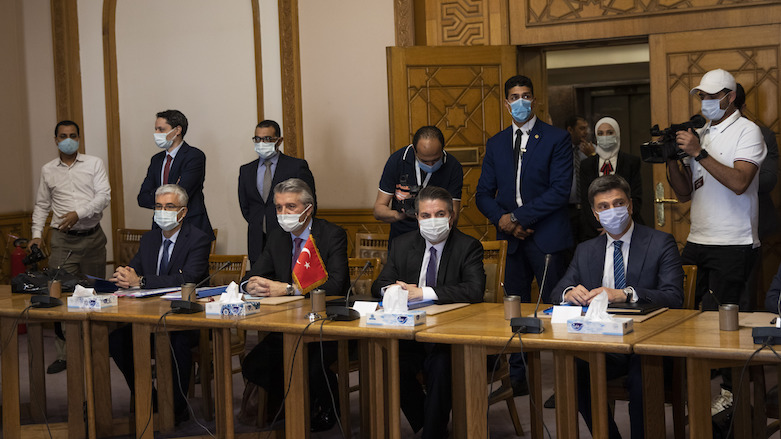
[[619, 326], [233, 309], [409, 318], [93, 302]]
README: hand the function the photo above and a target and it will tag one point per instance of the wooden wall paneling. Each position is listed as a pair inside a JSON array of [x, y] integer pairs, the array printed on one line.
[[466, 22], [290, 60], [67, 65], [354, 221], [258, 57], [404, 20]]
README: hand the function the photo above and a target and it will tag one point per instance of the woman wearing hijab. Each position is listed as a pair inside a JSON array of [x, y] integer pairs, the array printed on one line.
[[609, 159]]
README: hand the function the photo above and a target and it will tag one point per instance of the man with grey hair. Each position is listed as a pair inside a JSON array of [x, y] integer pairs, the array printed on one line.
[[272, 276], [168, 258]]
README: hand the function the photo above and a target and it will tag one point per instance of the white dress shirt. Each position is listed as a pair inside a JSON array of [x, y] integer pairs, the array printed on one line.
[[173, 158], [526, 129], [428, 292]]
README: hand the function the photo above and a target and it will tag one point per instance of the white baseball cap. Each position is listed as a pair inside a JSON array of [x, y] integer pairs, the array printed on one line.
[[715, 81]]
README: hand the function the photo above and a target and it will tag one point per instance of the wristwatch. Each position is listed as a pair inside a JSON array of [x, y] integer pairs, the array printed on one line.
[[513, 218], [142, 282], [630, 293], [703, 154], [289, 290]]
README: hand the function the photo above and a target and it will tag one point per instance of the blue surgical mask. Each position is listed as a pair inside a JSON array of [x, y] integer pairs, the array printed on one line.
[[614, 220], [521, 109], [68, 146], [430, 168], [711, 108]]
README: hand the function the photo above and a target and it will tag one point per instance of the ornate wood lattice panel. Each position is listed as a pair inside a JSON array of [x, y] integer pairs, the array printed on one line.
[[466, 22]]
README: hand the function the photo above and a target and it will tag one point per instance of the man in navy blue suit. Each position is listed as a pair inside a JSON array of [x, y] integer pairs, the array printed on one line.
[[180, 164], [169, 257], [524, 191], [633, 264], [256, 185]]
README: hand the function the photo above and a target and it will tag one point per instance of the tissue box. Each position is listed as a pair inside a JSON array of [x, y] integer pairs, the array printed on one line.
[[409, 318], [92, 302], [619, 326], [233, 309]]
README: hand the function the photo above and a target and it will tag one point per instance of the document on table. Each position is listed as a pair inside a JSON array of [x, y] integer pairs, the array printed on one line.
[[138, 293]]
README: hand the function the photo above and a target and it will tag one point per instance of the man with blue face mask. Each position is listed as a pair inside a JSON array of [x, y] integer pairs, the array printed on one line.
[[410, 169], [75, 188], [633, 264], [257, 180]]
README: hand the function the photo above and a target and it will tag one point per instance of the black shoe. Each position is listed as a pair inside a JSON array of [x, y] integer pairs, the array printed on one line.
[[56, 367], [181, 416], [323, 421], [550, 403], [520, 388]]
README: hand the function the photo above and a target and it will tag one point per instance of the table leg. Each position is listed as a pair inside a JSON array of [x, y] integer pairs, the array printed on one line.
[[653, 398], [102, 379], [143, 381], [166, 383], [88, 378], [535, 393], [223, 382], [297, 401], [598, 382], [394, 391], [760, 416], [343, 373], [470, 401], [565, 388], [75, 378], [10, 377], [365, 385], [698, 378], [376, 389], [37, 372]]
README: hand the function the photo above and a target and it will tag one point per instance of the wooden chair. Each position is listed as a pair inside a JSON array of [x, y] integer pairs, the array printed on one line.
[[494, 259], [202, 353], [127, 242], [371, 245]]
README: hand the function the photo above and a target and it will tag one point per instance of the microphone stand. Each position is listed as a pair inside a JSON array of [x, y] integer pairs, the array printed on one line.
[[532, 325], [46, 300], [185, 306], [345, 313]]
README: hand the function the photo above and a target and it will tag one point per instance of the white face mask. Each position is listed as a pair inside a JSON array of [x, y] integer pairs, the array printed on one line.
[[162, 142], [266, 150], [434, 230], [290, 221], [167, 220], [614, 220]]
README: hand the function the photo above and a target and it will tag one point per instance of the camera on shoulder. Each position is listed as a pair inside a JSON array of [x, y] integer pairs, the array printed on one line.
[[665, 147], [404, 199]]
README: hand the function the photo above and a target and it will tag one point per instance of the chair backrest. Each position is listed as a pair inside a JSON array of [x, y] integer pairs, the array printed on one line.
[[364, 285], [233, 272], [214, 243], [689, 285], [127, 243], [371, 245], [494, 258]]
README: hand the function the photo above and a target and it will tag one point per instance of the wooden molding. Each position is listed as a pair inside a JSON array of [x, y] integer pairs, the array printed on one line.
[[290, 61], [67, 70], [404, 17], [258, 58]]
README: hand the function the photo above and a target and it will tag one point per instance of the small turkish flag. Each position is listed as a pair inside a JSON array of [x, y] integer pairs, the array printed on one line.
[[309, 272]]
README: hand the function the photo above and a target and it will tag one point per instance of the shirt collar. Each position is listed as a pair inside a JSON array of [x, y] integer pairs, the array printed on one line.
[[78, 159], [173, 237], [720, 128], [626, 238], [440, 246], [527, 127], [305, 234], [273, 159], [175, 151]]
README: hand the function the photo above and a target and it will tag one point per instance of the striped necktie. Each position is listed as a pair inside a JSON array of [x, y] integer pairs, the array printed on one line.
[[618, 266]]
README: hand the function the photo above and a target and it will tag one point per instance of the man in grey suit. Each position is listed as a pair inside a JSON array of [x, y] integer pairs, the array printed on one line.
[[633, 264]]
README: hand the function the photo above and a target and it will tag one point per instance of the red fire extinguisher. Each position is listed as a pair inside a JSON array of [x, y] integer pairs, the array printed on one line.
[[17, 256]]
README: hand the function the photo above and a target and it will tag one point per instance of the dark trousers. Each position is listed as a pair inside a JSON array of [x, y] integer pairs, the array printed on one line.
[[120, 346], [264, 367], [723, 269], [616, 365], [429, 410]]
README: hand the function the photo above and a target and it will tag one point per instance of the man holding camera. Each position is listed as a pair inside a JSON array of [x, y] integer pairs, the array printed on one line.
[[720, 177], [410, 169]]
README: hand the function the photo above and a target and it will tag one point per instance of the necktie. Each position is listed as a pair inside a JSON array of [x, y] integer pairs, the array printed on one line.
[[431, 270], [164, 260], [618, 266], [168, 160], [517, 148], [607, 168], [296, 251], [267, 180]]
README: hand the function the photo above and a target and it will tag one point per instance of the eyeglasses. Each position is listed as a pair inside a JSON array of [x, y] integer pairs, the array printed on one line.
[[169, 207], [257, 139]]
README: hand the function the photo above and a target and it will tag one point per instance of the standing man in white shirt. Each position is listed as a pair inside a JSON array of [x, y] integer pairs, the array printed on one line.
[[75, 188]]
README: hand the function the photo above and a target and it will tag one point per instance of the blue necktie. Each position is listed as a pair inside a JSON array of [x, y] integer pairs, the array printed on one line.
[[164, 260], [431, 270], [618, 266]]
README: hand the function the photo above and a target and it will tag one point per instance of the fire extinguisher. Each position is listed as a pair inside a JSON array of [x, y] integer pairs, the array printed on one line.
[[17, 256]]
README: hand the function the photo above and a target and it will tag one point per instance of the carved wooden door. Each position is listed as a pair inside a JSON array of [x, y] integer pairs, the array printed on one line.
[[460, 90]]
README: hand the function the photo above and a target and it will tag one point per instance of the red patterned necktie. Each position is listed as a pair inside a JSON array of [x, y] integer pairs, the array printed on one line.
[[607, 168], [167, 170]]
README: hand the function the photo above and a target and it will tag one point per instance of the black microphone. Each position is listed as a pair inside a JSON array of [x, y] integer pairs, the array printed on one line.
[[532, 325], [184, 306], [46, 300], [345, 313]]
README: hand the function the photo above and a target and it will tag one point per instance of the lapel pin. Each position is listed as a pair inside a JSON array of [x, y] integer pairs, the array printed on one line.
[[536, 136]]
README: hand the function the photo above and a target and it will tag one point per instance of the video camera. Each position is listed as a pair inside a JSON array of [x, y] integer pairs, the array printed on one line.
[[407, 191], [35, 256], [666, 148]]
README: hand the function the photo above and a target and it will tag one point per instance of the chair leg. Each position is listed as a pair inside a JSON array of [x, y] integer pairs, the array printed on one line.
[[514, 416], [206, 375], [262, 407], [343, 382]]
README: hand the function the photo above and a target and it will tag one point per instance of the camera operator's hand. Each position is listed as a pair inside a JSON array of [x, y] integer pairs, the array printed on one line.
[[34, 241], [688, 142], [68, 220]]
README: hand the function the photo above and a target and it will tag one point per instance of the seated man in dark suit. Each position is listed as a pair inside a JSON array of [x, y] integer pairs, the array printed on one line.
[[177, 254], [272, 276], [433, 263], [632, 263]]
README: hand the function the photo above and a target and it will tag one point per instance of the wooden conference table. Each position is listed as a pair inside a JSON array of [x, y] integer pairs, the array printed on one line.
[[474, 336]]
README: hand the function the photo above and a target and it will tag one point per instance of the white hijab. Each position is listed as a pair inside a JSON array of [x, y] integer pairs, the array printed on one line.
[[603, 153]]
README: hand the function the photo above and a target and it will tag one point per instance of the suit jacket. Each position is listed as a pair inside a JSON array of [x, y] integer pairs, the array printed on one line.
[[254, 208], [189, 260], [546, 181], [188, 170], [654, 269], [628, 167], [276, 260], [768, 177], [460, 277]]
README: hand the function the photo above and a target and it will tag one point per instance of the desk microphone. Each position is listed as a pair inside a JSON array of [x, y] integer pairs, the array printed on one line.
[[532, 325], [345, 313], [46, 300], [184, 306]]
